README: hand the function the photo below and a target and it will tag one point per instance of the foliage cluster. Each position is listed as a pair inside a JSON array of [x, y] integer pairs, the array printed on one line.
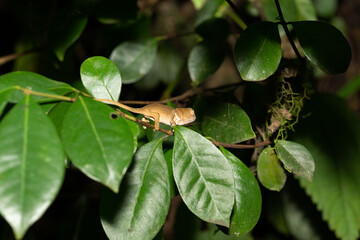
[[51, 128]]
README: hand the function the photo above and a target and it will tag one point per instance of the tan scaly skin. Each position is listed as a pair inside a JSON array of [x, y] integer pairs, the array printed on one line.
[[160, 113]]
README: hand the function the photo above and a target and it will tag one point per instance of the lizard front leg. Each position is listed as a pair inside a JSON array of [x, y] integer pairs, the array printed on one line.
[[156, 117]]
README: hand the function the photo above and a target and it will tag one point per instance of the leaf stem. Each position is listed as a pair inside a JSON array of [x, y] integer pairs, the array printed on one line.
[[47, 95], [13, 56], [287, 32], [236, 17], [241, 146]]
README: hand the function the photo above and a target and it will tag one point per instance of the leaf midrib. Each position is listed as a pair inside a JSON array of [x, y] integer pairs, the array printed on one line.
[[24, 156], [97, 138], [202, 177]]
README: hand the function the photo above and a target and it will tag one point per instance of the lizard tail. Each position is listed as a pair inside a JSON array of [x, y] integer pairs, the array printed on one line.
[[134, 110]]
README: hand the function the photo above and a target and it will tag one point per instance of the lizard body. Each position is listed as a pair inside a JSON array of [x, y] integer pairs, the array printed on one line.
[[161, 113]]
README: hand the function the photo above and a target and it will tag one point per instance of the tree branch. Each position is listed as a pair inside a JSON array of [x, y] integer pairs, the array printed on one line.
[[287, 32], [241, 146], [13, 56]]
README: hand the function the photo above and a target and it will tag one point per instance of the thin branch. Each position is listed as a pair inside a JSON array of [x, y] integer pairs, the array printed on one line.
[[287, 32], [13, 56], [47, 95], [241, 146], [232, 5]]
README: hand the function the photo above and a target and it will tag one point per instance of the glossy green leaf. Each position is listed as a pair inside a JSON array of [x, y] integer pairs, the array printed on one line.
[[5, 96], [64, 31], [226, 122], [208, 10], [214, 30], [57, 114], [331, 132], [98, 144], [139, 210], [325, 8], [257, 52], [134, 59], [35, 82], [247, 207], [31, 165], [203, 176], [204, 60], [101, 78], [293, 10], [166, 68], [270, 172], [296, 158], [324, 45], [168, 158], [198, 3]]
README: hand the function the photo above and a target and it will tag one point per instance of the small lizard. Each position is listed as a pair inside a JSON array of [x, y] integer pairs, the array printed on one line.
[[160, 113]]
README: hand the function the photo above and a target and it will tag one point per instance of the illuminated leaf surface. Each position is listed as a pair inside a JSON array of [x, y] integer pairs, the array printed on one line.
[[324, 45], [247, 207], [134, 59], [31, 165], [296, 158], [32, 81], [228, 123], [270, 172], [203, 176], [257, 52], [98, 144], [101, 78], [139, 210], [204, 60]]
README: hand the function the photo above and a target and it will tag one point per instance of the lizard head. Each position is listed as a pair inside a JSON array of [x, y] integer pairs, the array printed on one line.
[[184, 116]]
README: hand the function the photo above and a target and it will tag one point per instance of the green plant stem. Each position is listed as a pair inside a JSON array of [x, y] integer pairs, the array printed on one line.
[[287, 32], [47, 95], [237, 20]]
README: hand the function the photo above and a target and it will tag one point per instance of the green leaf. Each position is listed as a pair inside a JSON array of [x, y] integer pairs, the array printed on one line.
[[64, 31], [351, 87], [208, 11], [98, 144], [168, 158], [101, 78], [296, 158], [325, 8], [203, 176], [257, 52], [324, 45], [57, 114], [198, 3], [247, 207], [204, 60], [31, 165], [5, 96], [214, 30], [139, 210], [35, 82], [226, 122], [294, 10], [331, 132], [271, 174], [166, 68], [134, 59]]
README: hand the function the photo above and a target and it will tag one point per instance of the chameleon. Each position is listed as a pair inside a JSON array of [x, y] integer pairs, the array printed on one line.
[[160, 113]]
